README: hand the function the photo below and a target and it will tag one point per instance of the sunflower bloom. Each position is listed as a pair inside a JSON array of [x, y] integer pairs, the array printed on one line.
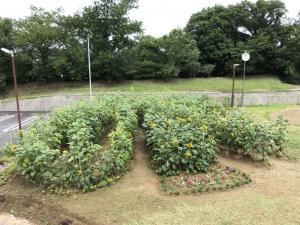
[[189, 145]]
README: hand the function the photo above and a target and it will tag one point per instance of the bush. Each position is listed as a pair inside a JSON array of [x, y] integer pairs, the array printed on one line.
[[242, 134], [178, 132], [184, 134], [65, 151]]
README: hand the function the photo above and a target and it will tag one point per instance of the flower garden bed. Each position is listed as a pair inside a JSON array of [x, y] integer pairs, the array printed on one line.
[[217, 178], [89, 144]]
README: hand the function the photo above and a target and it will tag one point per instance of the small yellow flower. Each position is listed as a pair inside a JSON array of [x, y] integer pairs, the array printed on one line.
[[188, 154], [204, 128], [79, 172], [13, 148], [65, 152], [189, 145]]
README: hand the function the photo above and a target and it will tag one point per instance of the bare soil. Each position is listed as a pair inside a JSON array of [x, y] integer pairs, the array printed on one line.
[[291, 114]]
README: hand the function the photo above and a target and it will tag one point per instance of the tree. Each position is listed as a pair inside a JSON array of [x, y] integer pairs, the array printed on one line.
[[111, 33], [38, 39], [223, 33], [183, 51], [150, 59], [6, 28]]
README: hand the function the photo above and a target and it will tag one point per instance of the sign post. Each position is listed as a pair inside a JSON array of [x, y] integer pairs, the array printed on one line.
[[233, 81], [245, 58]]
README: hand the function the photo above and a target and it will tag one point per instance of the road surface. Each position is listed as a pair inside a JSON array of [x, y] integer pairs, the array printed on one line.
[[9, 125]]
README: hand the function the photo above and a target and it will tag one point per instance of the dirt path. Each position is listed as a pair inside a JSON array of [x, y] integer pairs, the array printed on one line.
[[139, 187]]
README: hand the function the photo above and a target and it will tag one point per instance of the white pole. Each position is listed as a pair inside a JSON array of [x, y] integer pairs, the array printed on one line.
[[243, 84], [90, 73]]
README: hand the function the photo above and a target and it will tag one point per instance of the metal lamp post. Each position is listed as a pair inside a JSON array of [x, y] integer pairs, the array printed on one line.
[[11, 53], [245, 58], [90, 71], [233, 84]]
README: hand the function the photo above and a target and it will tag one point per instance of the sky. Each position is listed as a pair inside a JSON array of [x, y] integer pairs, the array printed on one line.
[[158, 16]]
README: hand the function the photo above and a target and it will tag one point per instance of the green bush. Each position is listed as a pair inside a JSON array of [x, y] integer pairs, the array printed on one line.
[[65, 151], [242, 134], [178, 132], [184, 134]]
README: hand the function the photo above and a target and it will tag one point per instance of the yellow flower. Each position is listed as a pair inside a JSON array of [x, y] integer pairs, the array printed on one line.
[[13, 148], [65, 152], [79, 172], [189, 145], [188, 154], [204, 128]]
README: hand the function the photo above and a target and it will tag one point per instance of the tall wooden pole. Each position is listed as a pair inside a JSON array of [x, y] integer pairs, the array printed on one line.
[[233, 84]]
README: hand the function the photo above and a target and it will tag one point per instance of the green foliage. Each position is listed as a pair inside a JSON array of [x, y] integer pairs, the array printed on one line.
[[65, 151], [224, 33], [178, 135], [184, 134], [241, 134], [167, 57]]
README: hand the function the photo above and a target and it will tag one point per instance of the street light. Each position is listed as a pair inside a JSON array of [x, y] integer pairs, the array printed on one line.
[[11, 53], [233, 82], [90, 72], [245, 58]]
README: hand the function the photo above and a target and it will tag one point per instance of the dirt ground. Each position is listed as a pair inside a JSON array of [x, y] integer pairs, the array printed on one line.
[[137, 199], [291, 114]]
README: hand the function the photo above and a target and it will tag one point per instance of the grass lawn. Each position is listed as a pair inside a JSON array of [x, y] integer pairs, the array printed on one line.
[[253, 83], [137, 199]]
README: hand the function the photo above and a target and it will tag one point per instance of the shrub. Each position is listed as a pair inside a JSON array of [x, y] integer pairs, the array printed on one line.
[[178, 132], [242, 134], [65, 152]]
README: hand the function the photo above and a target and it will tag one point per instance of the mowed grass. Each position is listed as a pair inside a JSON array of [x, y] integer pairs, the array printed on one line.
[[224, 84]]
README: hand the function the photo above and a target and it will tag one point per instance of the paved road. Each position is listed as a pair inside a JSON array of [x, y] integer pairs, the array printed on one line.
[[9, 125]]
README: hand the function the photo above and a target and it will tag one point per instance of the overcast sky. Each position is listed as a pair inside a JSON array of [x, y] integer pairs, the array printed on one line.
[[158, 16]]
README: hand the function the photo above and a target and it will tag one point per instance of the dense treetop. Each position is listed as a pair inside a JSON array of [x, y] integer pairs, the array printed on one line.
[[52, 47]]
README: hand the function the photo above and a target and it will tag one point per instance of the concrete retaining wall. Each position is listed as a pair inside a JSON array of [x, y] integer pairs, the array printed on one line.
[[45, 104]]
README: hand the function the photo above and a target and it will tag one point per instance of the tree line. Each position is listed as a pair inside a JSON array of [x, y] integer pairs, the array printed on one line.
[[50, 46]]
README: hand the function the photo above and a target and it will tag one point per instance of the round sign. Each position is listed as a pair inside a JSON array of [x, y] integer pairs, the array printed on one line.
[[246, 56]]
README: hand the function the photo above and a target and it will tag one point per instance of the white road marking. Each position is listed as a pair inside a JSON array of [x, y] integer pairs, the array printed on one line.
[[6, 117], [24, 122]]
